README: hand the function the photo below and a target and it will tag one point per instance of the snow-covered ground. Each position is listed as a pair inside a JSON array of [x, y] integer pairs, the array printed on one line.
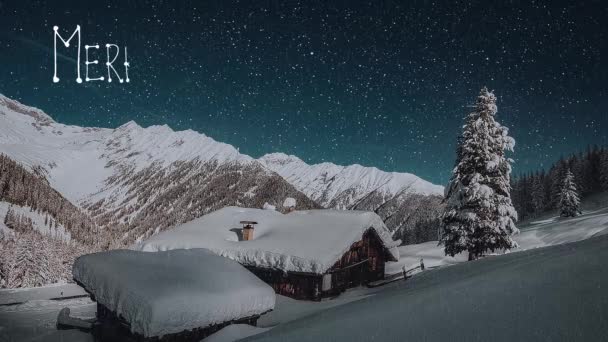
[[544, 232], [556, 293], [552, 294], [35, 318], [235, 332], [54, 291]]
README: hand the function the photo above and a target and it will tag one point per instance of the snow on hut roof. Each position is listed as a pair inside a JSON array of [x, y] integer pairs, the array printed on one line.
[[302, 241], [169, 292]]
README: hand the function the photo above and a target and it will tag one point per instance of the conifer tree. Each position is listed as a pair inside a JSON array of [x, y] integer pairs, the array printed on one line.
[[557, 178], [569, 201], [479, 215], [537, 194]]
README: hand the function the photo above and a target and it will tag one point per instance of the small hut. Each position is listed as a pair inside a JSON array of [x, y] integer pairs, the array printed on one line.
[[182, 295]]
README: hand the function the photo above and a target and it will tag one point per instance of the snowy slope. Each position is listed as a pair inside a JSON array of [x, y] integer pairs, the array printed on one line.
[[70, 155], [38, 221], [341, 187], [555, 293], [536, 234], [421, 303], [234, 332], [78, 160]]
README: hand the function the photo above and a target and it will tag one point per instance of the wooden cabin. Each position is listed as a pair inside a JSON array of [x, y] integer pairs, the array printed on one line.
[[361, 264], [111, 327], [175, 295], [308, 254]]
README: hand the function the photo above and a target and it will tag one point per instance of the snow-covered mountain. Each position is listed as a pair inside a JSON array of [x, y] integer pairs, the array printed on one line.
[[345, 187], [135, 181], [408, 204], [141, 180]]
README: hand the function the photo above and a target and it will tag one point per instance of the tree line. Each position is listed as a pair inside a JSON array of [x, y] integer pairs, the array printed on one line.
[[27, 257], [483, 202], [537, 192], [24, 188]]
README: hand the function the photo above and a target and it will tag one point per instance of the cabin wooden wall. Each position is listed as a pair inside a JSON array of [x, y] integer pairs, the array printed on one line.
[[112, 327], [291, 284], [361, 264]]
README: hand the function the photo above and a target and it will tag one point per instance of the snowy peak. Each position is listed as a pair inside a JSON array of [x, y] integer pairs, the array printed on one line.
[[328, 182], [142, 146], [17, 107], [279, 158], [79, 161]]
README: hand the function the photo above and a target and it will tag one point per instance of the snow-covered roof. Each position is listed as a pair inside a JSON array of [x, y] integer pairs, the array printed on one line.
[[301, 241], [169, 292]]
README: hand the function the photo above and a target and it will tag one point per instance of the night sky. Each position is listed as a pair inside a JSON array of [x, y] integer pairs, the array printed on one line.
[[380, 83]]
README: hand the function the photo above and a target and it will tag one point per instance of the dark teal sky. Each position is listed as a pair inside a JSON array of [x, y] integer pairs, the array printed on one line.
[[380, 83]]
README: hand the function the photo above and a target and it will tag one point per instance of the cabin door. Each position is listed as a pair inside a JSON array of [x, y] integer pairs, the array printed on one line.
[[326, 284]]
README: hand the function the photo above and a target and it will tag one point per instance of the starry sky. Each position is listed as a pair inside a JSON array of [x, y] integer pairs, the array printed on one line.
[[379, 83]]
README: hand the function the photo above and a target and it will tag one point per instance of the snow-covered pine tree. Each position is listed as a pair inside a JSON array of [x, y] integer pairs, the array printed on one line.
[[8, 277], [557, 175], [479, 215], [569, 201], [9, 218]]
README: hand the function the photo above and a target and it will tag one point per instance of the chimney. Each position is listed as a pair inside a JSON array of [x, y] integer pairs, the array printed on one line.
[[289, 205], [248, 230]]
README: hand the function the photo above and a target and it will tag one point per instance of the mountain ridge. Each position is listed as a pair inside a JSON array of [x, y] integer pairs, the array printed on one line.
[[125, 184], [322, 182], [109, 171]]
